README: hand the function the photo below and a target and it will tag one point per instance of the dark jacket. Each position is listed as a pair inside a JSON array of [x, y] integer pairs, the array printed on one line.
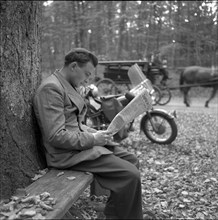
[[60, 109]]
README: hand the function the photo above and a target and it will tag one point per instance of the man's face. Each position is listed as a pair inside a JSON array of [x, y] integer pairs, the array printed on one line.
[[80, 75]]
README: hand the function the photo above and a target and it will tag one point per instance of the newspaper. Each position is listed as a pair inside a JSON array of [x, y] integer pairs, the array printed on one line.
[[135, 75], [140, 104], [139, 80]]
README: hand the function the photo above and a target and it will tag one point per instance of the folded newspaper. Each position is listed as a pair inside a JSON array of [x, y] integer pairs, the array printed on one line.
[[141, 103]]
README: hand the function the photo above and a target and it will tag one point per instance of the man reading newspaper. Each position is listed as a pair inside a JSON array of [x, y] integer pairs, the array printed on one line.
[[69, 144]]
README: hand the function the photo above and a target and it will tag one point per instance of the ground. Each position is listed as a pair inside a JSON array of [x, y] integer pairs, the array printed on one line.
[[179, 180]]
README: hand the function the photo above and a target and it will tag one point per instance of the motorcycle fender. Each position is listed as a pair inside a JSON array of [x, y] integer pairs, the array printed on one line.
[[171, 116]]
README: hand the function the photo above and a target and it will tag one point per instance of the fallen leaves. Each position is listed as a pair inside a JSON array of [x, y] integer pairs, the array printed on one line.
[[39, 174], [156, 190], [28, 213], [186, 200], [180, 180], [31, 199], [184, 193], [88, 207], [45, 206], [36, 177], [60, 174], [71, 177], [23, 206]]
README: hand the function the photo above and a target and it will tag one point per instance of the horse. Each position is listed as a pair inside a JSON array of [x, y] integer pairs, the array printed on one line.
[[205, 77]]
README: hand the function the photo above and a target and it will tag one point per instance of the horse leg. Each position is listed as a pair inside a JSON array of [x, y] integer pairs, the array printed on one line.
[[185, 90], [211, 96]]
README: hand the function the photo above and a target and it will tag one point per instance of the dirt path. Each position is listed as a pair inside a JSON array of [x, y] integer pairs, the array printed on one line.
[[197, 105]]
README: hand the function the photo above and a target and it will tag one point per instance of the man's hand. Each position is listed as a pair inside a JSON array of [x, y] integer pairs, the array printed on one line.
[[102, 137]]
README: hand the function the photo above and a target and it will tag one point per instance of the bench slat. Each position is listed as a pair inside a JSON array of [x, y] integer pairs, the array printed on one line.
[[64, 190]]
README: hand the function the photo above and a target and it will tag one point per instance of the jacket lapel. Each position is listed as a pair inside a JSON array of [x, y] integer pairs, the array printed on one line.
[[74, 96]]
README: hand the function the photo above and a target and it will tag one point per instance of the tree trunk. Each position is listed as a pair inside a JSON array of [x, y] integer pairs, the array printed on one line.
[[148, 33], [75, 20], [82, 26], [140, 32], [159, 28], [122, 29], [98, 28], [178, 33], [109, 29], [20, 77], [188, 57]]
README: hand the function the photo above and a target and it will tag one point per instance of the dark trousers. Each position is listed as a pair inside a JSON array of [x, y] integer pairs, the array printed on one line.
[[118, 173]]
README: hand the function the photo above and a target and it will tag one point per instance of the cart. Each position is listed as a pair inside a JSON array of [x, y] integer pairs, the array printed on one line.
[[115, 78]]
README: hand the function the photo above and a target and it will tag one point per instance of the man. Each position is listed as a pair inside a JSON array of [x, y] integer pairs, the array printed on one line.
[[157, 62], [69, 144]]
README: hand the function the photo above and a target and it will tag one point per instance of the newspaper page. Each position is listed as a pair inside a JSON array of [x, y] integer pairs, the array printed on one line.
[[135, 75], [141, 103]]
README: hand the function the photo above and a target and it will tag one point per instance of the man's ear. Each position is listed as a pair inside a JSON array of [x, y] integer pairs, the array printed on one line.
[[72, 65]]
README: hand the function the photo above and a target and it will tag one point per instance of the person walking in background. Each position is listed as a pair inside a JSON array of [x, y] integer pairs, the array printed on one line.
[[156, 61]]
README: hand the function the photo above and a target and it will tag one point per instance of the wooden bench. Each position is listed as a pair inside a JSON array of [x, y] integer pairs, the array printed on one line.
[[65, 191]]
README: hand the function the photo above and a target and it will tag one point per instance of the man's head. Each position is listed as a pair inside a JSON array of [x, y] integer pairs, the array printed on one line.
[[156, 54], [79, 66]]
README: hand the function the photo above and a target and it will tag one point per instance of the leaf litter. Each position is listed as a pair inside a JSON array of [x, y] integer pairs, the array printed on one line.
[[179, 180], [24, 206]]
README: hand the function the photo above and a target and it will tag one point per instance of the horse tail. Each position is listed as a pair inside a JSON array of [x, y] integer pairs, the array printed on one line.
[[181, 80]]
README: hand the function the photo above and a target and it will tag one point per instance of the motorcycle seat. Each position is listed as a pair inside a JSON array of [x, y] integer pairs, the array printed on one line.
[[97, 100], [130, 96]]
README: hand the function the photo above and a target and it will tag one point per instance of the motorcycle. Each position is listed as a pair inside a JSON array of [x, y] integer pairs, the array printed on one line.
[[158, 125]]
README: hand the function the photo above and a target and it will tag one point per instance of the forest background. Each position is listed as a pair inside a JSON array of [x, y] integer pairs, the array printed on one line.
[[184, 32]]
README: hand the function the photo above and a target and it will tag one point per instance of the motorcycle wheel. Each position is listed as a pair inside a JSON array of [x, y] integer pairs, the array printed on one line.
[[165, 96], [159, 128], [157, 95], [106, 87]]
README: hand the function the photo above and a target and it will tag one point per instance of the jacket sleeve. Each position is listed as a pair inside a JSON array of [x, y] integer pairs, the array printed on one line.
[[49, 104], [88, 129]]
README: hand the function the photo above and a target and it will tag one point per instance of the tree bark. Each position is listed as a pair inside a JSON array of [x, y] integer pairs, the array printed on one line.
[[188, 57], [159, 28], [20, 57], [148, 33], [122, 29], [75, 20], [98, 28], [109, 29]]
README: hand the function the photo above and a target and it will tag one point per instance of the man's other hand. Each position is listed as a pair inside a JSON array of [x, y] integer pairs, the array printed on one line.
[[102, 138]]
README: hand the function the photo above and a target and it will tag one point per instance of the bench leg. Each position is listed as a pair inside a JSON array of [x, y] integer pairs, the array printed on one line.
[[97, 190], [68, 216]]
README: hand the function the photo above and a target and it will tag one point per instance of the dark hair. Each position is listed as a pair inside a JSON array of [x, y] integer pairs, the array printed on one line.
[[81, 56]]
